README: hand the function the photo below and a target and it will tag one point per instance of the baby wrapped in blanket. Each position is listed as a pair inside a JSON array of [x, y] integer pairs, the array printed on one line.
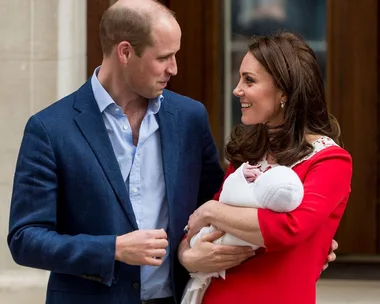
[[278, 189]]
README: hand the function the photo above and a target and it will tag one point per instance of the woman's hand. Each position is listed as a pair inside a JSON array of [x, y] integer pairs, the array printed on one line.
[[332, 256], [199, 218], [208, 257]]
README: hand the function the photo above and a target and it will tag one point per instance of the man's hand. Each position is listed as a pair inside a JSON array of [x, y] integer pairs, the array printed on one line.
[[208, 257], [332, 256], [142, 247]]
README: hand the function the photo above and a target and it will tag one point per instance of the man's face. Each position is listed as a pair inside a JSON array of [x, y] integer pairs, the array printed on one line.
[[149, 74]]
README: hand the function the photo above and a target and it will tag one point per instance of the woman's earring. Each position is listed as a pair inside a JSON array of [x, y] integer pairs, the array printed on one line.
[[282, 104]]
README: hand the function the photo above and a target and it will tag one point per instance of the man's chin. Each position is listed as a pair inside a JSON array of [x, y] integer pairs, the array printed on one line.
[[159, 92], [152, 95]]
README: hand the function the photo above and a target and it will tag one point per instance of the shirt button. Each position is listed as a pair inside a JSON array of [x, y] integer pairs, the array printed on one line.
[[125, 127], [136, 285], [134, 190]]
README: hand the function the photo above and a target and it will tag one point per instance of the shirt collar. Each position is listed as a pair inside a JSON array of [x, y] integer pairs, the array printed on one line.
[[155, 104], [104, 100]]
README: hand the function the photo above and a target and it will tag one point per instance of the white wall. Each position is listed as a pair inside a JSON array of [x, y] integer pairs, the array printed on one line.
[[42, 58]]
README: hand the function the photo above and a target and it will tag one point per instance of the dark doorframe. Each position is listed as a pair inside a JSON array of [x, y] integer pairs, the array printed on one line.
[[353, 96], [95, 9], [199, 60]]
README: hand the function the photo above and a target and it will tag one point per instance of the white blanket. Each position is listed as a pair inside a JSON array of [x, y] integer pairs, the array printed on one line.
[[278, 189]]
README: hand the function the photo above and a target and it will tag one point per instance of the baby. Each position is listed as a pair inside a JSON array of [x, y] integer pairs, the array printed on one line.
[[278, 189]]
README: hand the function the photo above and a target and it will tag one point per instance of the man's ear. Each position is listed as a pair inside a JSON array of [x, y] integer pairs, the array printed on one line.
[[124, 51]]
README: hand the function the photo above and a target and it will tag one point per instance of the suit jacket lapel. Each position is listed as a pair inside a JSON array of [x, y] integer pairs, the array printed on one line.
[[91, 124], [167, 119]]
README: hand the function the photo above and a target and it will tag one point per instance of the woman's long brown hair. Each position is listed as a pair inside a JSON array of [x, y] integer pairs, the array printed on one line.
[[294, 68]]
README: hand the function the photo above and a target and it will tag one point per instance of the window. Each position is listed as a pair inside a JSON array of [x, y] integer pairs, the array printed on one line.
[[245, 18]]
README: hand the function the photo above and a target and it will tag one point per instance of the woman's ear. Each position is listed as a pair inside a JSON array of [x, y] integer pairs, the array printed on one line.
[[284, 96], [283, 99]]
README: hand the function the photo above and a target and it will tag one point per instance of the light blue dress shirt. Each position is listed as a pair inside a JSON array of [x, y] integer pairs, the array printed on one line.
[[141, 168]]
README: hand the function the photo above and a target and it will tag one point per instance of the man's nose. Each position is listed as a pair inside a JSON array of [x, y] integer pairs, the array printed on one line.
[[172, 68]]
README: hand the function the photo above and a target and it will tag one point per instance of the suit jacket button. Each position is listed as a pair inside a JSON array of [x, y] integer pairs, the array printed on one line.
[[136, 285]]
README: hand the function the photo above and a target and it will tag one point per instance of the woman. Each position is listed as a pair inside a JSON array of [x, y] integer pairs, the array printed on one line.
[[285, 122]]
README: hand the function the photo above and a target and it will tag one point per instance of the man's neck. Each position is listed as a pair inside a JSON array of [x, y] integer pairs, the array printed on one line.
[[112, 82]]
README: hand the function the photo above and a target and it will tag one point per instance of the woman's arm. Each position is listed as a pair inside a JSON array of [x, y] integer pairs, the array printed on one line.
[[205, 256], [238, 221], [326, 185]]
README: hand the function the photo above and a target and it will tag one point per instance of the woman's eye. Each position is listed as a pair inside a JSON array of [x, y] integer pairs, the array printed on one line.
[[249, 79]]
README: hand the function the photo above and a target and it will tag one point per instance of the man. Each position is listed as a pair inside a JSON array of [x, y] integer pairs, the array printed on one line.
[[107, 177]]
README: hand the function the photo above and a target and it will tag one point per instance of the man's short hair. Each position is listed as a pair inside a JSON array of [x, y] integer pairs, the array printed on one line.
[[126, 24]]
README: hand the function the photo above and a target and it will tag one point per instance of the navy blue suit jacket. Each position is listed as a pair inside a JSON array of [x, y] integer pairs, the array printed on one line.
[[70, 202]]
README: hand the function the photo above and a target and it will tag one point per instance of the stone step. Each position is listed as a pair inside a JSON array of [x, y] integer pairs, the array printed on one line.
[[23, 286]]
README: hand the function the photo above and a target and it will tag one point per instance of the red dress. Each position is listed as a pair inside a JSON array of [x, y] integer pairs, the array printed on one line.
[[297, 243]]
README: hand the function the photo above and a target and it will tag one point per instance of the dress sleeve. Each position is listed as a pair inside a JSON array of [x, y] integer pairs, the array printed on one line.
[[229, 171], [327, 183]]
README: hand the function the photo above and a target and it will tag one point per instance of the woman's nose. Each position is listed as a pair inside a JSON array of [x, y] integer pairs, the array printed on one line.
[[237, 91]]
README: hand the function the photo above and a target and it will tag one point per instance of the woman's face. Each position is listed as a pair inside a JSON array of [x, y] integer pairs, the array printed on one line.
[[260, 99]]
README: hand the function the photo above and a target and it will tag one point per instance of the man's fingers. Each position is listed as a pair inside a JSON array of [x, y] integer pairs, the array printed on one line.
[[158, 253], [153, 262], [160, 243], [157, 233]]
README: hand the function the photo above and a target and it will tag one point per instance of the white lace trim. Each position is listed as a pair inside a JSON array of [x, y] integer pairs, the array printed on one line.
[[320, 144]]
